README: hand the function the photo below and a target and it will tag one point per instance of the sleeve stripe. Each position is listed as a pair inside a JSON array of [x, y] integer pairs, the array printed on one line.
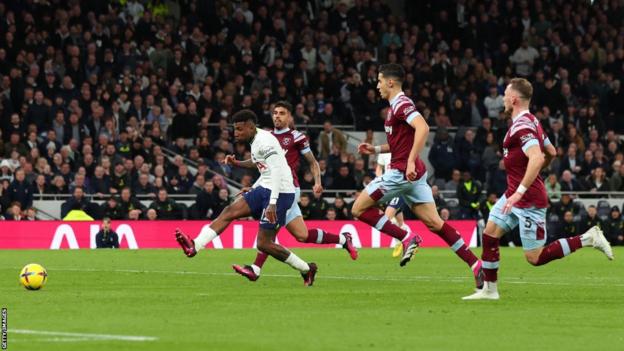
[[270, 154], [529, 144], [412, 116]]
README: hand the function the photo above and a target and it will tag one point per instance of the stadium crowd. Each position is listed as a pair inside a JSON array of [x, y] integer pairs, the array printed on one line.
[[92, 91]]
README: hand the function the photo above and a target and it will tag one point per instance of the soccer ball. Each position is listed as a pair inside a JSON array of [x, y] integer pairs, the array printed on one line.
[[33, 276]]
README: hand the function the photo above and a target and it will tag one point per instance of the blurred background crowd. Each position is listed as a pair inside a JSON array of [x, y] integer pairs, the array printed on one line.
[[106, 102]]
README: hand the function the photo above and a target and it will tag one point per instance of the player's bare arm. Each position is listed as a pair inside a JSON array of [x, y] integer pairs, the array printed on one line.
[[549, 154], [369, 149], [421, 130], [231, 160], [536, 160], [316, 172]]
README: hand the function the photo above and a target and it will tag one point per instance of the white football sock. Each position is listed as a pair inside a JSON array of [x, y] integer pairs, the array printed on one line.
[[342, 239], [587, 239], [256, 269], [206, 236], [295, 262]]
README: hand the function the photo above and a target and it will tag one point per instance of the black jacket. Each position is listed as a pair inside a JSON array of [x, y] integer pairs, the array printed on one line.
[[107, 240]]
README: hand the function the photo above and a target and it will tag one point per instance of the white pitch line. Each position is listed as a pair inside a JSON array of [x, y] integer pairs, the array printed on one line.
[[510, 280], [85, 336]]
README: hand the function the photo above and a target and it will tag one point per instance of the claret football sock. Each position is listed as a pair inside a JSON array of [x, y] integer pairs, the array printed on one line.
[[490, 257], [318, 236], [457, 244], [374, 218], [559, 249]]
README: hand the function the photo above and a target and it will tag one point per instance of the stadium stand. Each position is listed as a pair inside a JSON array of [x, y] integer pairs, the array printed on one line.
[[113, 95]]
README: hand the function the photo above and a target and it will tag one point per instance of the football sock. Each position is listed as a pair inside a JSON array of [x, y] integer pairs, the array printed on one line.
[[490, 257], [559, 249], [261, 257], [256, 269], [318, 236], [374, 218], [206, 236], [295, 262], [455, 241]]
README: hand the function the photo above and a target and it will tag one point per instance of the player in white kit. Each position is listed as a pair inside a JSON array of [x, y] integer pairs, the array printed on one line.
[[269, 200]]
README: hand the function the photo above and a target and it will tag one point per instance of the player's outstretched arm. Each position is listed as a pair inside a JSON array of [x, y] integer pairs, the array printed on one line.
[[368, 149], [316, 171], [421, 131], [231, 160]]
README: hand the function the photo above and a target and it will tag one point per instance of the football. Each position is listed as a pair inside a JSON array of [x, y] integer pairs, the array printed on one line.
[[33, 276]]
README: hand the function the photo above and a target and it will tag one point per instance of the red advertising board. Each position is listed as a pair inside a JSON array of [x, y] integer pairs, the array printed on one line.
[[159, 234]]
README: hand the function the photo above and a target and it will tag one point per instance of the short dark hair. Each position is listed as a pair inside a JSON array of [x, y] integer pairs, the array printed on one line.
[[392, 70], [284, 104], [244, 116]]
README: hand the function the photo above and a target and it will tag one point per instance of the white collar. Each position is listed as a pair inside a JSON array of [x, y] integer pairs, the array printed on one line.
[[520, 114], [281, 131], [394, 99]]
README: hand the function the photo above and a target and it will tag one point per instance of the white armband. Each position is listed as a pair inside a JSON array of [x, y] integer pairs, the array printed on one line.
[[378, 149]]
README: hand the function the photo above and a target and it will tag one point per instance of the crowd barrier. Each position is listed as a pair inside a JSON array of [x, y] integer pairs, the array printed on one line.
[[159, 234]]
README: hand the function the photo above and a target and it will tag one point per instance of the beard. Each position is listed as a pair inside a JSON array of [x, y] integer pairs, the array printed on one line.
[[507, 113]]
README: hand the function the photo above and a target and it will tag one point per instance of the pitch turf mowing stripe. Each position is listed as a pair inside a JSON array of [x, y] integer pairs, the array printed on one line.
[[507, 280], [85, 336]]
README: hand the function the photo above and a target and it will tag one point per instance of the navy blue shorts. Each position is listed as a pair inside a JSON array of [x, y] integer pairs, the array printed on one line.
[[258, 200], [397, 203]]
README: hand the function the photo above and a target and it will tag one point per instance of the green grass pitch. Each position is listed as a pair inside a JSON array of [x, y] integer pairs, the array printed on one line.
[[96, 300]]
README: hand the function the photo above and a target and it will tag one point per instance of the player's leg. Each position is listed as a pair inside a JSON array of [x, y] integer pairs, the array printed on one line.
[[238, 209], [267, 244], [299, 230], [428, 214], [379, 190], [394, 212], [497, 225], [533, 235]]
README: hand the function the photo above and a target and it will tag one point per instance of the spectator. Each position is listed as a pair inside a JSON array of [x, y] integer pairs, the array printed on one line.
[[106, 238], [340, 209], [307, 211], [130, 207], [453, 183], [485, 207], [553, 188], [565, 205], [468, 194], [438, 198], [318, 205], [569, 226], [221, 202], [165, 207], [493, 103], [111, 209], [330, 214], [568, 183], [615, 227], [14, 213], [329, 137], [152, 215], [591, 219], [598, 181], [20, 190], [344, 179], [524, 59], [442, 155], [77, 206]]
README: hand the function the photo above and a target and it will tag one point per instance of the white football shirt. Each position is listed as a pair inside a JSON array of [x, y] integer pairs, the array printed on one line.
[[384, 160], [269, 157]]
